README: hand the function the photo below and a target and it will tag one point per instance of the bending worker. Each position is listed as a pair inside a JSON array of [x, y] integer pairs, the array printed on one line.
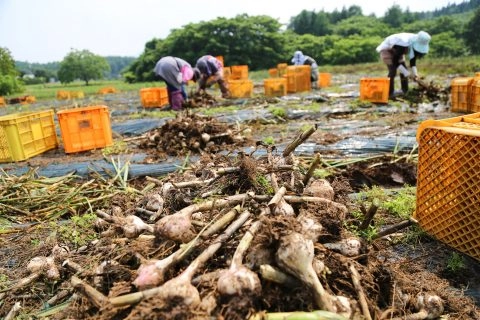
[[209, 70], [175, 72], [300, 59], [393, 51]]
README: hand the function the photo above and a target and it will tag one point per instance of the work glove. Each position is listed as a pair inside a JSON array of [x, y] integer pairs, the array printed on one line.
[[414, 73], [403, 70]]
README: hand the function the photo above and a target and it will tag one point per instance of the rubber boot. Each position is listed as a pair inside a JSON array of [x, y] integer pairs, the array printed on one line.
[[224, 88], [177, 100], [404, 84]]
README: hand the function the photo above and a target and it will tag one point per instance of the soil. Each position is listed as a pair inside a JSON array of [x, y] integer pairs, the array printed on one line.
[[395, 270]]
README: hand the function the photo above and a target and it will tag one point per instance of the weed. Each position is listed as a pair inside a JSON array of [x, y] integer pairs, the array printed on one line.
[[79, 230], [269, 140], [455, 263], [118, 147], [3, 281], [403, 204], [278, 112], [265, 184]]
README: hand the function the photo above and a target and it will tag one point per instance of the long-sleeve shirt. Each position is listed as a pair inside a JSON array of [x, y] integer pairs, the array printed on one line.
[[169, 69]]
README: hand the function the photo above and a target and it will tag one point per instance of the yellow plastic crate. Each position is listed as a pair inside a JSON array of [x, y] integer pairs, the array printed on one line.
[[85, 128], [298, 78], [239, 72], [275, 87], [461, 91], [374, 89], [324, 79], [282, 69], [448, 182], [240, 88], [154, 97], [24, 135], [475, 95]]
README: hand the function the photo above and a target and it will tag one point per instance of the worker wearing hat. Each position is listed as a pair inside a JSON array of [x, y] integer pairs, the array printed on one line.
[[393, 50]]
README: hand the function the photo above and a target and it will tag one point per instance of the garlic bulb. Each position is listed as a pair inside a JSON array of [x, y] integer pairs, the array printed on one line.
[[349, 247]]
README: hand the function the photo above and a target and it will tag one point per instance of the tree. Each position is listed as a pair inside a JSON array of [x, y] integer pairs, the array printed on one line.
[[9, 82], [82, 65], [394, 16], [472, 30]]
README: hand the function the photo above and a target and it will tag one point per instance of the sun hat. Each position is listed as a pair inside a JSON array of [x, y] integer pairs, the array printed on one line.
[[420, 44]]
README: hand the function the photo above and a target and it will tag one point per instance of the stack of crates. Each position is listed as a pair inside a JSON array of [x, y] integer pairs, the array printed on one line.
[[374, 89], [154, 97], [85, 128], [324, 79], [238, 83], [24, 135], [448, 183], [298, 78], [275, 87]]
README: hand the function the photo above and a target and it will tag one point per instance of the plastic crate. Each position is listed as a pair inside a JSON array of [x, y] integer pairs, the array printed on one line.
[[275, 87], [475, 95], [273, 72], [3, 103], [240, 88], [324, 79], [220, 58], [374, 89], [154, 97], [461, 92], [448, 182], [85, 128], [239, 72], [298, 79], [282, 69], [63, 95], [227, 72], [24, 135], [107, 90]]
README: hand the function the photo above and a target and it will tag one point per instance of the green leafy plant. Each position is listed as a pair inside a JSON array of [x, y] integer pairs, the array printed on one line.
[[79, 230], [403, 204], [455, 262], [269, 140], [278, 112], [118, 147]]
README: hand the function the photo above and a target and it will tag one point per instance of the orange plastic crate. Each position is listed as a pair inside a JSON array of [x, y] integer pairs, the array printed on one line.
[[154, 97], [227, 72], [275, 87], [220, 58], [3, 103], [85, 128], [239, 72], [24, 135], [298, 78], [63, 95], [448, 182], [324, 79], [374, 89], [107, 90], [273, 72], [461, 92], [240, 88]]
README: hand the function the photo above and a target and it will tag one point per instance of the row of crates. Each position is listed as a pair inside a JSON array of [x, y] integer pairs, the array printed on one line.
[[465, 94], [24, 135], [448, 181]]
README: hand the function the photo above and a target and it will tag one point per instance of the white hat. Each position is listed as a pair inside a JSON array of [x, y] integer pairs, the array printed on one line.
[[420, 44]]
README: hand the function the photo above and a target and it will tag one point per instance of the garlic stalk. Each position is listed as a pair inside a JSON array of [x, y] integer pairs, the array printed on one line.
[[132, 226], [180, 288], [238, 279], [295, 255], [152, 272], [177, 226], [349, 247]]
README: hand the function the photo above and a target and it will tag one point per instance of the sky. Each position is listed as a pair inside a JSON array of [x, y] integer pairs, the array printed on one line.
[[47, 30]]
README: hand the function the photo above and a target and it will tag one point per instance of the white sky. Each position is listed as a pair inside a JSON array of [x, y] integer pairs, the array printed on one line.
[[46, 30]]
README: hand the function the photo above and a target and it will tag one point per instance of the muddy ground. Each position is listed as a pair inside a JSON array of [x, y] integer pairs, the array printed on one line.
[[360, 145]]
